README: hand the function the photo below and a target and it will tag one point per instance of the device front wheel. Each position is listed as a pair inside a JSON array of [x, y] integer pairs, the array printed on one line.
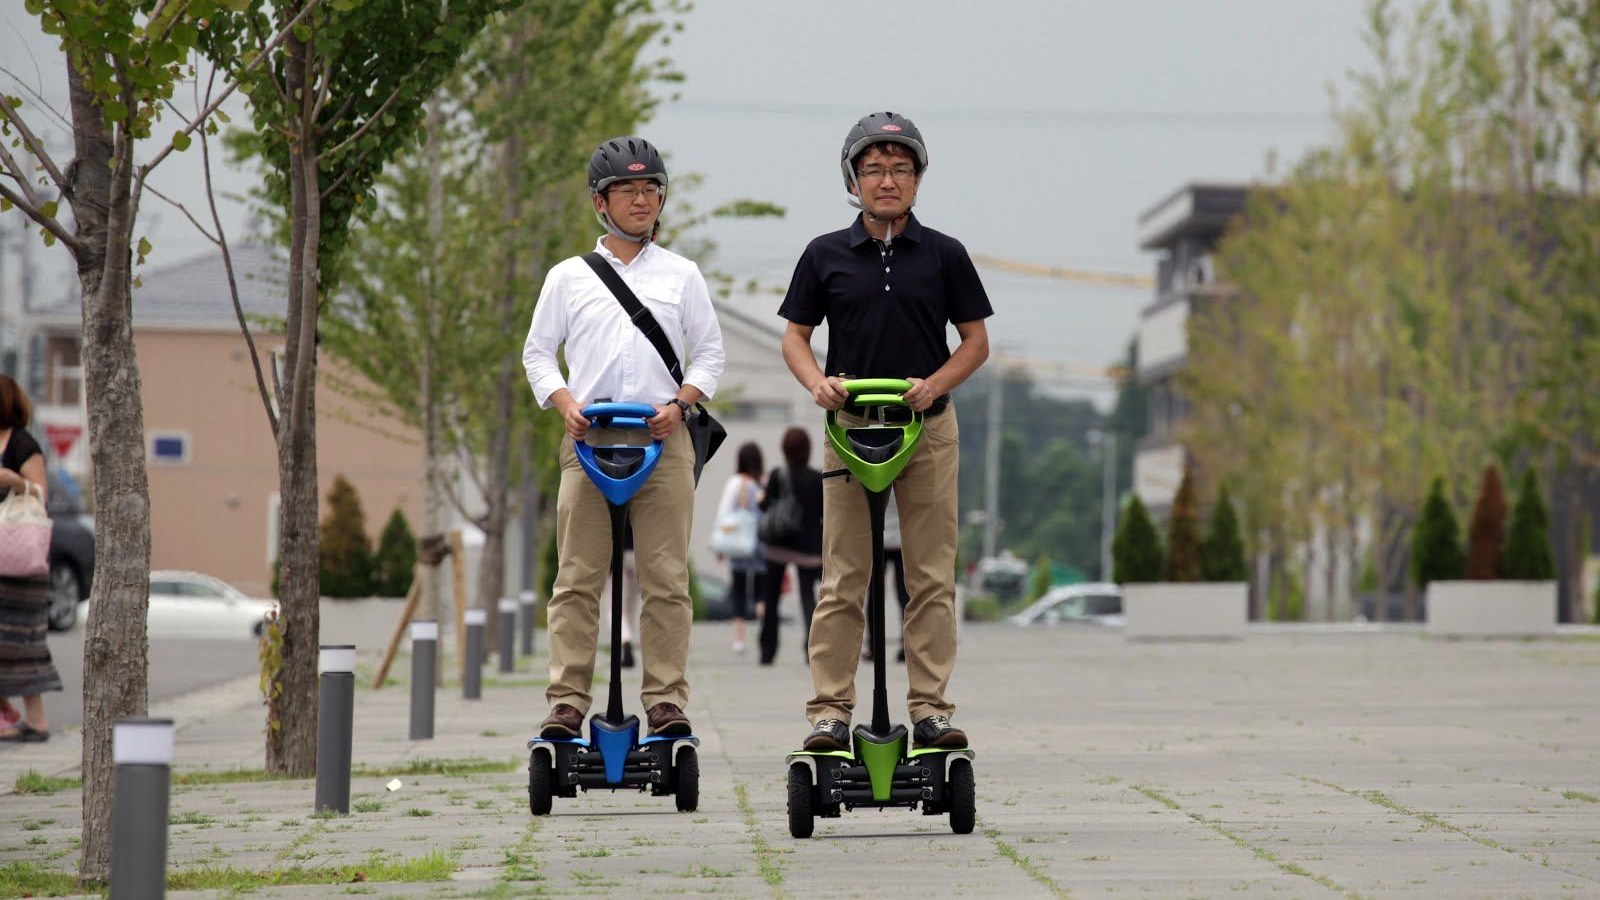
[[963, 797], [802, 818], [688, 793], [540, 778]]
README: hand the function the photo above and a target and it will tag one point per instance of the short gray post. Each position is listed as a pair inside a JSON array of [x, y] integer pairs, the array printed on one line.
[[141, 750], [508, 634], [424, 664], [472, 677], [336, 709], [526, 601]]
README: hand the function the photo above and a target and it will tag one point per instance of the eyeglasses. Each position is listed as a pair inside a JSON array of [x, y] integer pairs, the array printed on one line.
[[901, 174], [632, 192]]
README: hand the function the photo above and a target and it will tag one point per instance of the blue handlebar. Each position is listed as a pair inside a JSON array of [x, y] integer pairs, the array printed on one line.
[[621, 415]]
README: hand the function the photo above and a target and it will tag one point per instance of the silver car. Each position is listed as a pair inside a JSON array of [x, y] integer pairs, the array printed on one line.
[[1094, 604]]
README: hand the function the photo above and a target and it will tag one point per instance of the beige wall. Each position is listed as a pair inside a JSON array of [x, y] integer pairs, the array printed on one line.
[[211, 513]]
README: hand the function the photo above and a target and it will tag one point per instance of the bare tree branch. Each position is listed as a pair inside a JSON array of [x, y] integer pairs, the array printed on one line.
[[14, 169], [377, 116], [38, 99]]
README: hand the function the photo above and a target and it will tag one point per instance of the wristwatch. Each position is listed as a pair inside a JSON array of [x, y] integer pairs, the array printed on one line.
[[681, 404]]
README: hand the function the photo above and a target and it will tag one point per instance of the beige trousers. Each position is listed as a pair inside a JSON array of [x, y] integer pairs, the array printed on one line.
[[661, 513], [925, 494]]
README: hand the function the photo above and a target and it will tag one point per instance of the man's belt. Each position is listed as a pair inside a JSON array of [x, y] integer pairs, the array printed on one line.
[[891, 413]]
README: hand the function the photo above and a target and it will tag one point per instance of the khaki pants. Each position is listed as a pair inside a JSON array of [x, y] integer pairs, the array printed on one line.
[[925, 494], [661, 514]]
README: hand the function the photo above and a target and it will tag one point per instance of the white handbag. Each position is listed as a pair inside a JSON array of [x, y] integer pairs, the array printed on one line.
[[24, 534], [734, 534]]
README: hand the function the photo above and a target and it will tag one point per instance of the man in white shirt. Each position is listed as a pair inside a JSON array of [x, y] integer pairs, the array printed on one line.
[[609, 357]]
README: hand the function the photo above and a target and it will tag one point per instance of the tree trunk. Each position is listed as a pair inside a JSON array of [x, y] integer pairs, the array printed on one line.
[[115, 649], [291, 734], [435, 470]]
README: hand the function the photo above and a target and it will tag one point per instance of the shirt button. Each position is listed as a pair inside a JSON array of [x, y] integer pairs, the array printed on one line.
[[886, 287], [885, 270]]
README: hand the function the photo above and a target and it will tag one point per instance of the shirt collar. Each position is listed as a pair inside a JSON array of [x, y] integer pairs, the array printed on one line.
[[606, 254], [912, 233]]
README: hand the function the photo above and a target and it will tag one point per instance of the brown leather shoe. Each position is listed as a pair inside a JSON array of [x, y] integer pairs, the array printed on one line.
[[668, 719], [564, 722]]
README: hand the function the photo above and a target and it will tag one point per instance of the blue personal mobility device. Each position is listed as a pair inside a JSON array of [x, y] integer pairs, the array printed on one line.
[[614, 755]]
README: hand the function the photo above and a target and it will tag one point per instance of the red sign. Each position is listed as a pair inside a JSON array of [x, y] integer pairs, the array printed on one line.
[[636, 167], [892, 127], [62, 437]]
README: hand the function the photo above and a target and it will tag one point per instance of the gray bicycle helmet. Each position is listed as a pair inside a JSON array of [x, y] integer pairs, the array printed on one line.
[[875, 128], [624, 159]]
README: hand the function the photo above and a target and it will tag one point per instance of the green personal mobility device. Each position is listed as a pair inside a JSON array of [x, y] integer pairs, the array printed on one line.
[[882, 770]]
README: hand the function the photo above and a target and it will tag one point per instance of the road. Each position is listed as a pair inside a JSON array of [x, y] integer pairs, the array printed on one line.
[[178, 666]]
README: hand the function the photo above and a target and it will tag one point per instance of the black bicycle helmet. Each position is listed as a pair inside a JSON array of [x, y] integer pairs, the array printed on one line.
[[878, 127], [622, 158]]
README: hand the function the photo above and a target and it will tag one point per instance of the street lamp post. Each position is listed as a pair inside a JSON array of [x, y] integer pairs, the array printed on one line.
[[1107, 442]]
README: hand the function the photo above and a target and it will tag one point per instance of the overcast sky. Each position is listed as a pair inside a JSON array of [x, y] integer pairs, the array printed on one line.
[[1051, 126]]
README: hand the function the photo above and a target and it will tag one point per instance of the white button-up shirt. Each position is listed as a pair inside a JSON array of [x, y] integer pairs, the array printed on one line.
[[607, 355]]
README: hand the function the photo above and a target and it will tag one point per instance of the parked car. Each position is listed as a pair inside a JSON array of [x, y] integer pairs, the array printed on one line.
[[1092, 604], [192, 605], [71, 550]]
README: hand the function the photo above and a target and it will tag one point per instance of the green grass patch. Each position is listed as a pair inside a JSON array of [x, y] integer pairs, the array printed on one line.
[[1580, 795], [419, 812], [26, 879], [190, 818], [366, 806], [435, 866], [1024, 863], [451, 767], [35, 782], [766, 857]]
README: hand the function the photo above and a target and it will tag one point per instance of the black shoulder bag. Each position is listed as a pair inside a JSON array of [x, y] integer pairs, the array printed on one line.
[[706, 433]]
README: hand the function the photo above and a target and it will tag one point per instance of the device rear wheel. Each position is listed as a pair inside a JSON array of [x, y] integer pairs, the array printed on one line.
[[540, 782], [802, 815], [963, 797], [688, 792]]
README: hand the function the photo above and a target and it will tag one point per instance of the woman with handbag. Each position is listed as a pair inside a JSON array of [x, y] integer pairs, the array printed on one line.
[[792, 520], [26, 670], [735, 538]]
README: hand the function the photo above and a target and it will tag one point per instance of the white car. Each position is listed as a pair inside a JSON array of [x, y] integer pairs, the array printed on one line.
[[1094, 604], [192, 605]]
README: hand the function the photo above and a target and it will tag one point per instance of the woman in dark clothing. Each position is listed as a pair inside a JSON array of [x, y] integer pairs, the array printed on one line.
[[804, 550], [26, 670]]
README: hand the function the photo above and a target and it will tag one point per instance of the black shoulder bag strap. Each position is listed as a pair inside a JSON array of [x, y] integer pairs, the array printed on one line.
[[706, 433]]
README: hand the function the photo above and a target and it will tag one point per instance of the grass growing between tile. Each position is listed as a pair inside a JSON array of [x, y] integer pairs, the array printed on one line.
[[766, 857], [1024, 863], [34, 782], [26, 879], [475, 765], [435, 866]]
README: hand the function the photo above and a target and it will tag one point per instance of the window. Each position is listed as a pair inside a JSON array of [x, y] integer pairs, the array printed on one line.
[[169, 447]]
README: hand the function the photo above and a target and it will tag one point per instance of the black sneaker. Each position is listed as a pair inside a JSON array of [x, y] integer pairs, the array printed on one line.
[[828, 734], [936, 731]]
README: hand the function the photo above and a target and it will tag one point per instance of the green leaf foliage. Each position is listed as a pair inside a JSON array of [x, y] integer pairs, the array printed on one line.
[[396, 559], [1039, 579], [346, 569], [1183, 534], [1528, 555], [1136, 549], [1486, 535], [1436, 544], [1222, 552]]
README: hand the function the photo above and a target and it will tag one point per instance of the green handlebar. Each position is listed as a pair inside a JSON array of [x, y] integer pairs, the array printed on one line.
[[879, 400], [875, 386]]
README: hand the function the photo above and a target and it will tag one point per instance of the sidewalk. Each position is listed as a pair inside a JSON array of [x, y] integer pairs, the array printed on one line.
[[1298, 762]]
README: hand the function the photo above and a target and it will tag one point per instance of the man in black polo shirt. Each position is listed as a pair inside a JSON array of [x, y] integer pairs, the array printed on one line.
[[887, 286]]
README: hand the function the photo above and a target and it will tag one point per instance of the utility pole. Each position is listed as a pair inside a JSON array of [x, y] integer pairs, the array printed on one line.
[[991, 468], [1108, 510]]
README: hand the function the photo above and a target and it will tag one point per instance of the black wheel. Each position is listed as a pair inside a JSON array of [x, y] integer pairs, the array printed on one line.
[[963, 793], [539, 783], [688, 793], [802, 817], [63, 597]]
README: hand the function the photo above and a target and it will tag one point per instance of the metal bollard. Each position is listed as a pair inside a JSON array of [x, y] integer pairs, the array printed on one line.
[[336, 709], [424, 666], [508, 634], [141, 750], [472, 676], [526, 601]]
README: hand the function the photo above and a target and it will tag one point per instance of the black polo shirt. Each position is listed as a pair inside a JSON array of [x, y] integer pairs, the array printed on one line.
[[886, 307]]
